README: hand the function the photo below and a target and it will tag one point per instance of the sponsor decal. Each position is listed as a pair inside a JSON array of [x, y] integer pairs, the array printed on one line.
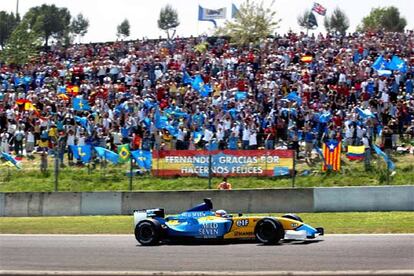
[[242, 223], [239, 234], [209, 229]]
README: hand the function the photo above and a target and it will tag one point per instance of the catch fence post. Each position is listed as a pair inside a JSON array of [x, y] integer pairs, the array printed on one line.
[[56, 170], [209, 170], [130, 173], [294, 169]]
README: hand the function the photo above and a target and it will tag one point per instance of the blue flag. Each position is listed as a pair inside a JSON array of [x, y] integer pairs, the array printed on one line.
[[11, 159], [397, 63], [213, 145], [390, 164], [83, 121], [83, 153], [325, 117], [364, 114], [240, 95], [107, 155], [380, 64], [293, 97], [81, 104], [143, 158], [203, 89], [160, 121], [186, 78], [277, 171]]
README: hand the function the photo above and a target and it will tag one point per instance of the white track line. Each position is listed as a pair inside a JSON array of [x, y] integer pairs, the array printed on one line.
[[204, 273]]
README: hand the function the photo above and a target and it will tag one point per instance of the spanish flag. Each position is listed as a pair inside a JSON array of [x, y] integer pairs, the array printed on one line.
[[72, 90], [63, 97], [124, 153], [306, 59], [332, 155], [355, 152]]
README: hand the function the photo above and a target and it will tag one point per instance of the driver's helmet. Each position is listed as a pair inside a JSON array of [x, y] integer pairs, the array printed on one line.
[[221, 213]]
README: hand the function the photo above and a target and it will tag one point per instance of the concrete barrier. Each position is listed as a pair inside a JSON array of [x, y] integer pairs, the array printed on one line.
[[2, 204], [249, 201], [61, 204], [23, 204], [382, 198], [341, 199], [101, 203]]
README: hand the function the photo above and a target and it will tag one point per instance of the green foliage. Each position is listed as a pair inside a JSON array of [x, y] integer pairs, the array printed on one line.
[[8, 22], [22, 45], [80, 25], [337, 22], [168, 20], [385, 19], [123, 29], [49, 21], [303, 20], [252, 23]]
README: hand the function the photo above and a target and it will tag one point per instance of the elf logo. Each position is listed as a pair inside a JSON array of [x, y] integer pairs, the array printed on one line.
[[242, 223]]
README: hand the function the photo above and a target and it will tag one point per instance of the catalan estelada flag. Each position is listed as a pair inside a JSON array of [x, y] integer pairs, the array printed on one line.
[[123, 152], [355, 152], [332, 155]]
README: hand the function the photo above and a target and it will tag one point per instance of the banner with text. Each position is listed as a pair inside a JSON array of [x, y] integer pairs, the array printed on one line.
[[226, 162]]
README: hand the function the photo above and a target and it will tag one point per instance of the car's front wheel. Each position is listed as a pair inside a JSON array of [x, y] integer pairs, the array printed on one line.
[[269, 231], [148, 232]]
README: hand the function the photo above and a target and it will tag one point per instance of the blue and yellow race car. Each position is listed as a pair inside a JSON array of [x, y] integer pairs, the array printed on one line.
[[200, 223]]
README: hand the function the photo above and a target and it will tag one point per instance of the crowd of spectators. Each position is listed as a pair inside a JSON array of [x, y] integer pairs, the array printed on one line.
[[127, 83]]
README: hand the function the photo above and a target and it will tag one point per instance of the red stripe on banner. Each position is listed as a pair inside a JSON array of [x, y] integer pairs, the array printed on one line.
[[280, 153]]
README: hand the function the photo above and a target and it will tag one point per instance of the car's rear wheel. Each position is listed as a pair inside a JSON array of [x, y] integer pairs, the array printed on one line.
[[269, 231], [148, 232], [292, 216]]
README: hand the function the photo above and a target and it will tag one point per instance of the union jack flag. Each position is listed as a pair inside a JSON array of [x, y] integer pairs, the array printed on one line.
[[318, 8], [332, 155]]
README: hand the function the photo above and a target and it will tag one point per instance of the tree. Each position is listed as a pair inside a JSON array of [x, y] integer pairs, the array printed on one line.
[[337, 22], [8, 22], [305, 22], [168, 20], [48, 21], [79, 25], [385, 19], [252, 23], [123, 29], [22, 46]]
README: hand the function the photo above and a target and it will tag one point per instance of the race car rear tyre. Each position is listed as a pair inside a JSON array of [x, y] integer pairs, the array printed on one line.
[[148, 232], [269, 231], [292, 216]]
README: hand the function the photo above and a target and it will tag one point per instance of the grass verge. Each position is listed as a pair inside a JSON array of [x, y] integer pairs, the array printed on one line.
[[334, 223], [114, 178]]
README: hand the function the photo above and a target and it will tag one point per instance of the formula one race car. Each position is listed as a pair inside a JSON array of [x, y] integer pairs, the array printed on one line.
[[200, 223]]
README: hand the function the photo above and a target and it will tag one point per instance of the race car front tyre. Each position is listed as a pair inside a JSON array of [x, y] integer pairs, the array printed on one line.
[[148, 232], [269, 231], [292, 216]]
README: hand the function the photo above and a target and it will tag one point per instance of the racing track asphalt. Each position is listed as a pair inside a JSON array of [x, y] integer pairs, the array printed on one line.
[[122, 253]]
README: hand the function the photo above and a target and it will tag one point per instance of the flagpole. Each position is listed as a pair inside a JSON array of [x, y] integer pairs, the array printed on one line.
[[130, 174], [294, 168], [56, 169]]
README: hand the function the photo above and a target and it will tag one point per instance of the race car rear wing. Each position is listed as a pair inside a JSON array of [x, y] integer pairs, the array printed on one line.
[[148, 213]]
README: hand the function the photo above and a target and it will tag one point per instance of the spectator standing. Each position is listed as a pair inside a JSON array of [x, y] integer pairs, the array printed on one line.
[[224, 185]]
